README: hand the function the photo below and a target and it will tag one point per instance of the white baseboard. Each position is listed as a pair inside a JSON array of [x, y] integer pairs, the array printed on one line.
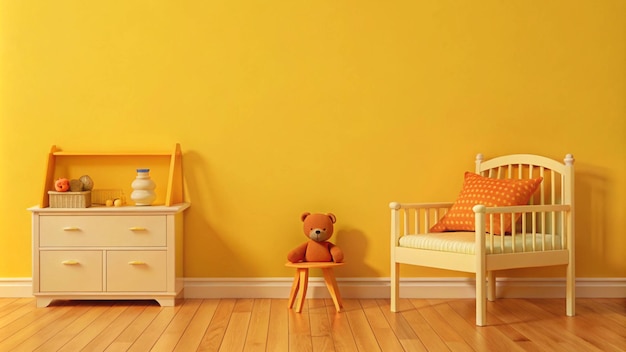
[[280, 287], [16, 287], [365, 288]]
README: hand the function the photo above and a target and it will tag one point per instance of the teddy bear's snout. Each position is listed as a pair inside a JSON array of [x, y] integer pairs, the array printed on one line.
[[318, 235]]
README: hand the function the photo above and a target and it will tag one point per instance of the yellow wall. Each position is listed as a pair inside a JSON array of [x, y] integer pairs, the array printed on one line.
[[337, 106]]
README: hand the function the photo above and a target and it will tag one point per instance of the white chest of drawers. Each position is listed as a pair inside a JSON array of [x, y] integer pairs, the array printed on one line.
[[129, 252]]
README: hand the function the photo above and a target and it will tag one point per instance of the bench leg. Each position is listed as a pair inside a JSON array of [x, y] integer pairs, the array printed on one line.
[[570, 289], [481, 298], [395, 286], [491, 286]]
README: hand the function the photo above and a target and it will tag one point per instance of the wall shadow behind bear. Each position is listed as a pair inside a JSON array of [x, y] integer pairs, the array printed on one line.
[[354, 245]]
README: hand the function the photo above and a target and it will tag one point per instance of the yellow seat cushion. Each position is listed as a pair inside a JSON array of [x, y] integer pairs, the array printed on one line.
[[489, 192], [465, 242]]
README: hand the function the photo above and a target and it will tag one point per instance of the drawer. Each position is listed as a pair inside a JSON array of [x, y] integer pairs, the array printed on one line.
[[136, 271], [102, 230], [62, 271]]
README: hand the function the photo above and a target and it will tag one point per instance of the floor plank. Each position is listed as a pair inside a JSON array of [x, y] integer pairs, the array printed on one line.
[[115, 329], [497, 332], [256, 339], [384, 334], [14, 310], [177, 326], [300, 330], [448, 333], [321, 334], [94, 329], [278, 328], [401, 327], [426, 333], [262, 324], [151, 334], [214, 334], [364, 336], [33, 328], [478, 338], [236, 331], [581, 326], [191, 338], [88, 315], [343, 339], [131, 333]]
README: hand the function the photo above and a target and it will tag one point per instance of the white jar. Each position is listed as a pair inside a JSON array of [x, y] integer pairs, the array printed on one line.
[[143, 188]]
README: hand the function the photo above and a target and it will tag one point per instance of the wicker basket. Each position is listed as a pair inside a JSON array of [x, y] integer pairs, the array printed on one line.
[[100, 196], [70, 199]]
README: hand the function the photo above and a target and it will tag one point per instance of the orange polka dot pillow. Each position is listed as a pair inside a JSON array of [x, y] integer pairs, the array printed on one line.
[[489, 192]]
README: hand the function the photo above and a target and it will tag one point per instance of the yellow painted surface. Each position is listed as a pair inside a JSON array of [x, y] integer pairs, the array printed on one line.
[[283, 107]]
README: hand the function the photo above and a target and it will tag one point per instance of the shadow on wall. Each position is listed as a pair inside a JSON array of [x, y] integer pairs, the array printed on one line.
[[593, 196], [354, 245], [204, 249]]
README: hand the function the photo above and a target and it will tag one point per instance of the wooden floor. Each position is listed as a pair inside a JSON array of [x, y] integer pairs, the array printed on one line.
[[267, 325]]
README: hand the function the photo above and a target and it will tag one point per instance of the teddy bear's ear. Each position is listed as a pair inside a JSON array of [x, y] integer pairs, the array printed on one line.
[[332, 217], [304, 215]]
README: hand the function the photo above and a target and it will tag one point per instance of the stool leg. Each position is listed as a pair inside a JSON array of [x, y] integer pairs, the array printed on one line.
[[304, 282], [294, 289], [333, 289]]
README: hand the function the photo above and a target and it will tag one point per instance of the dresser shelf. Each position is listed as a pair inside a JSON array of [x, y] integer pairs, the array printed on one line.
[[172, 159]]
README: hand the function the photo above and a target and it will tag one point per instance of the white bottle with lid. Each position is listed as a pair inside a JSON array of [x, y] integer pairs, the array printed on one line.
[[143, 188]]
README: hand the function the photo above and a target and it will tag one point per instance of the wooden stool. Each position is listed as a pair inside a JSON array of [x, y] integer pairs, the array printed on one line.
[[301, 281]]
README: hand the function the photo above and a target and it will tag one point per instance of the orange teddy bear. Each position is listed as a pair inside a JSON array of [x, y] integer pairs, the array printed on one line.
[[318, 228]]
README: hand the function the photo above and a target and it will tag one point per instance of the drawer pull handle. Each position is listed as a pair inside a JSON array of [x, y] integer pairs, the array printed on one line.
[[136, 262], [70, 262], [137, 228], [71, 228]]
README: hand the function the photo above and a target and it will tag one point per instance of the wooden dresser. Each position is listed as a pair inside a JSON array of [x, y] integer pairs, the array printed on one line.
[[100, 252]]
